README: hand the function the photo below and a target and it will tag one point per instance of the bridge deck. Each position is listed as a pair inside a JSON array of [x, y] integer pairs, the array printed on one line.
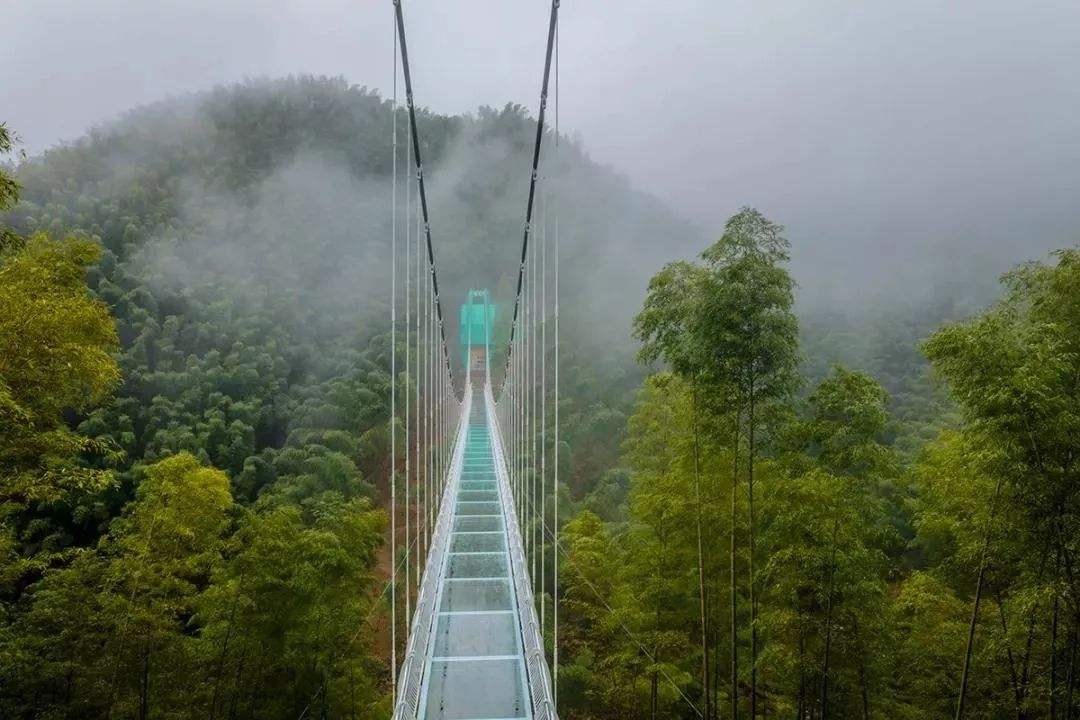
[[476, 663]]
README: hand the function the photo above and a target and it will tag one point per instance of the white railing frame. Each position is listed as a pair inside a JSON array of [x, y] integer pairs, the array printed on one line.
[[411, 677], [536, 665]]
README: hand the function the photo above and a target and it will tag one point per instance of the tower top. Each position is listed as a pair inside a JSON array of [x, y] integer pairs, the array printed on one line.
[[475, 331]]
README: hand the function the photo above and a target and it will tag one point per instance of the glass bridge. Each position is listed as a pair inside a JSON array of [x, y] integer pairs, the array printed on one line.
[[474, 651]]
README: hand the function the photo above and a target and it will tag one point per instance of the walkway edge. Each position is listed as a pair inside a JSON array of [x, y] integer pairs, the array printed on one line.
[[535, 659], [412, 668]]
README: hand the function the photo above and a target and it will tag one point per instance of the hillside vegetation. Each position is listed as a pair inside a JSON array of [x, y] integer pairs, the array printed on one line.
[[194, 472], [781, 511]]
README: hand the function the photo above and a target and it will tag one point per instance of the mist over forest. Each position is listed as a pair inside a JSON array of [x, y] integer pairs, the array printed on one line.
[[195, 409]]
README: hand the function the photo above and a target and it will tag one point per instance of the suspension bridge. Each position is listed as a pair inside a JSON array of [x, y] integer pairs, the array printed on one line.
[[474, 467]]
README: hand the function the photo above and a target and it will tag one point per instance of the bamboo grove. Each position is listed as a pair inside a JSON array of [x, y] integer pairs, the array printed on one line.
[[779, 557], [768, 513]]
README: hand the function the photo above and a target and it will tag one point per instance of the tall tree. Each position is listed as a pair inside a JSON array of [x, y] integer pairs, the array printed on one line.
[[56, 357], [1015, 370], [108, 633], [666, 502], [826, 532], [728, 326], [9, 189], [667, 326], [752, 335]]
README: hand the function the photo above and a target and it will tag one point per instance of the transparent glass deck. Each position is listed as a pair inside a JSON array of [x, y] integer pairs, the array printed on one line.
[[476, 668]]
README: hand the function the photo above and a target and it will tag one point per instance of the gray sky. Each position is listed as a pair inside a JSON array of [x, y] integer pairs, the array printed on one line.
[[882, 132]]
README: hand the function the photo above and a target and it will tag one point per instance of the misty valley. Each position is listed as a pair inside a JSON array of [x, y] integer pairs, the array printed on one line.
[[316, 402]]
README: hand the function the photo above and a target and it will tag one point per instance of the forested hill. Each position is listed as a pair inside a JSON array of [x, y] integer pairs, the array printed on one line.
[[194, 381], [288, 181], [239, 238], [255, 218], [248, 228]]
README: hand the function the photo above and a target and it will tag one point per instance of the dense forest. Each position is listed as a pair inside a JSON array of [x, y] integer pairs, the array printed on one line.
[[769, 509], [781, 552], [205, 282]]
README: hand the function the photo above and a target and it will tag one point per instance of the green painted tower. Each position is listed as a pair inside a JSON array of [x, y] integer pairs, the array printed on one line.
[[475, 331]]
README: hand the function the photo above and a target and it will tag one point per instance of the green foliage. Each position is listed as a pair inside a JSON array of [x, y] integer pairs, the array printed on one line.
[[9, 190], [822, 610], [98, 634], [847, 417], [57, 355], [868, 567], [136, 579], [225, 235], [56, 345], [727, 322], [193, 429], [188, 608], [1014, 370], [297, 585], [749, 329], [727, 327], [928, 626], [241, 235]]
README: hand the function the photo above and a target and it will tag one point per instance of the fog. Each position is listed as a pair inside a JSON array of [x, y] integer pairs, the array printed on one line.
[[311, 231], [267, 204], [904, 145]]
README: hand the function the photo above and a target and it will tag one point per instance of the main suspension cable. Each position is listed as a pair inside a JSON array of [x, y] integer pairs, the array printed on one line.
[[552, 22], [420, 179], [429, 387]]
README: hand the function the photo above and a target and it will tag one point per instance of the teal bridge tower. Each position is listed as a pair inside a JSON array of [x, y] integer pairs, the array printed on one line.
[[475, 334]]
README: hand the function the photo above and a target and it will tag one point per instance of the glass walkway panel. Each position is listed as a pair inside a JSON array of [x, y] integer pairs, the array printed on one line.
[[476, 668], [467, 657]]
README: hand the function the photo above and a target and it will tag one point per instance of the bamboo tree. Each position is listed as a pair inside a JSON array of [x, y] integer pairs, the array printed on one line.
[[1054, 642], [731, 572], [1015, 370], [706, 697], [751, 335], [827, 656], [728, 323], [980, 581]]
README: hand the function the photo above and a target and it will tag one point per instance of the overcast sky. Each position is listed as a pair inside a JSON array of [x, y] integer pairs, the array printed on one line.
[[875, 130]]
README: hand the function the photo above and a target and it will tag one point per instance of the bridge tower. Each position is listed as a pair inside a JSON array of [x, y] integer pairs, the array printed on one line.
[[475, 334]]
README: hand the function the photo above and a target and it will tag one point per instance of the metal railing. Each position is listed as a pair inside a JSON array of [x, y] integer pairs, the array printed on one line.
[[411, 677], [543, 707]]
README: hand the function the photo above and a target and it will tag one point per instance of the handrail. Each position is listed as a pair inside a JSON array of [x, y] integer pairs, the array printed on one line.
[[535, 659], [411, 677]]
